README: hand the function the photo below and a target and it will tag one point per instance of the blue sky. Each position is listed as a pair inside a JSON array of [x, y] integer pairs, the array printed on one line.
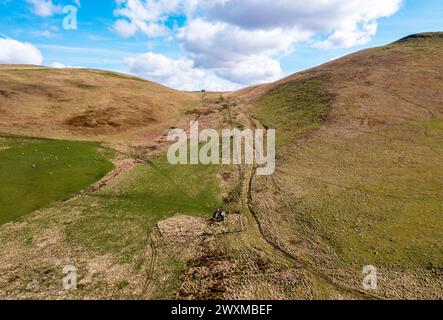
[[215, 44]]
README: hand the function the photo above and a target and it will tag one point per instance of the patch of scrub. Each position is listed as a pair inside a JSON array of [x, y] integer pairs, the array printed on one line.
[[35, 173]]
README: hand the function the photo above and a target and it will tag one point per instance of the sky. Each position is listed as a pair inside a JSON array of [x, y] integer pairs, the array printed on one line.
[[204, 44]]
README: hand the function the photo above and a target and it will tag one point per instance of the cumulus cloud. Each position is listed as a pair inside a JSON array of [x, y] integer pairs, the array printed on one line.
[[348, 38], [146, 16], [178, 73], [58, 65], [345, 23], [44, 8], [16, 52], [241, 41], [239, 55], [316, 15]]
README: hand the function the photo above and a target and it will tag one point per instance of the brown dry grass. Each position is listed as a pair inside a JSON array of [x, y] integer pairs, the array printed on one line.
[[85, 104], [385, 85], [322, 205], [365, 188]]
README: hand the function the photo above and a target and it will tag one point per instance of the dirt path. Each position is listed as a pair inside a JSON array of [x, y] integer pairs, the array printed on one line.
[[256, 230]]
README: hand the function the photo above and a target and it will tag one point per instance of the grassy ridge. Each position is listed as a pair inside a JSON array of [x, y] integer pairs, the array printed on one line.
[[34, 173], [82, 104]]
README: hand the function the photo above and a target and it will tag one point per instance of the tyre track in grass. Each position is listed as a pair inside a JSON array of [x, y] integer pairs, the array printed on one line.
[[151, 269], [256, 229]]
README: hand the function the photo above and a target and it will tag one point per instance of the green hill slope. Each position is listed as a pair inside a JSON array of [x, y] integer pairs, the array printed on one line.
[[360, 178]]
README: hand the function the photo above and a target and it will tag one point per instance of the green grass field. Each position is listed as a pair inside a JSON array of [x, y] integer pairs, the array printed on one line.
[[35, 173], [117, 221], [124, 213], [110, 228]]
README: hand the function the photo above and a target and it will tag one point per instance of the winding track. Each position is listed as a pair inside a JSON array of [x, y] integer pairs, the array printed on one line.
[[257, 231]]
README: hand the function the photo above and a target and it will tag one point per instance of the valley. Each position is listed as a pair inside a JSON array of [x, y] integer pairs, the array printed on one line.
[[358, 182]]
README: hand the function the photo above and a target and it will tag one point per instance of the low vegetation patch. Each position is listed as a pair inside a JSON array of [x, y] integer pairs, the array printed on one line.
[[35, 173]]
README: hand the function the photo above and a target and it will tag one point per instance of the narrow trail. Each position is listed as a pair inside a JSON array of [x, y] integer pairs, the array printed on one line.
[[151, 268], [256, 230]]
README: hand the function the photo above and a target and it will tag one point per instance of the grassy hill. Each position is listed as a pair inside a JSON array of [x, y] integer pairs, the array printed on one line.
[[359, 181], [360, 177], [86, 104], [45, 223]]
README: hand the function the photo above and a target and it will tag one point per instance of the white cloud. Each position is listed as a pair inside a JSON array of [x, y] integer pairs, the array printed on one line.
[[348, 38], [146, 16], [44, 8], [16, 52], [315, 15], [239, 55], [355, 20], [125, 28], [347, 22], [241, 41], [44, 33], [180, 73], [58, 65]]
